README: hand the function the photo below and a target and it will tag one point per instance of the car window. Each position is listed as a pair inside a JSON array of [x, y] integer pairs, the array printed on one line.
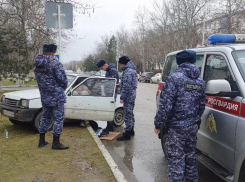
[[216, 68], [96, 87], [70, 79], [170, 66], [79, 80], [150, 74]]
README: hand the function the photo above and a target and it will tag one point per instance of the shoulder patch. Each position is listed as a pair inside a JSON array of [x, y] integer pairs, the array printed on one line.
[[193, 87], [40, 70]]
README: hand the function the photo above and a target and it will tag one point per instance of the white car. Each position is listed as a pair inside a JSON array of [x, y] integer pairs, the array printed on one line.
[[156, 78], [88, 98]]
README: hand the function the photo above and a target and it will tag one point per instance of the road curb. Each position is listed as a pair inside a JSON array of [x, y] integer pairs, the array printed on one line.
[[114, 168]]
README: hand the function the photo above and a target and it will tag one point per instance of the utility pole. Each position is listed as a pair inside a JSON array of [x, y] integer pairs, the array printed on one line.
[[204, 24], [117, 57]]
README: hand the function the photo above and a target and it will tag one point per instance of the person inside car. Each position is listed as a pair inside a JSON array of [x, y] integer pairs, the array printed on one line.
[[81, 90]]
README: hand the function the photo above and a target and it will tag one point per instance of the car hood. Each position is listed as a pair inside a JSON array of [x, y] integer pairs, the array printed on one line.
[[24, 94]]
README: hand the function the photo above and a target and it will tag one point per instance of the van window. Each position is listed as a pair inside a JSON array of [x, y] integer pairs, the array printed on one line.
[[239, 57], [171, 65], [217, 68]]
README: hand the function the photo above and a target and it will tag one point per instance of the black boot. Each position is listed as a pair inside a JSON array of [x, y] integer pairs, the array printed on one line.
[[110, 127], [125, 136], [104, 133], [56, 143], [131, 133], [42, 141]]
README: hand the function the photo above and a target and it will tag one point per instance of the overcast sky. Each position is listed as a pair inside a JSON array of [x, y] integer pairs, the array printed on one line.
[[107, 19]]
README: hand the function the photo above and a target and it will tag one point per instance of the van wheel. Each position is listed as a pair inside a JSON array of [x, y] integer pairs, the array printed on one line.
[[37, 121], [164, 147], [15, 122], [242, 173], [119, 117]]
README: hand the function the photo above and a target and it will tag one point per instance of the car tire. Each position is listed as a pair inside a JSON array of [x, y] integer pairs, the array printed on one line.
[[15, 122], [164, 147], [151, 81], [118, 117], [37, 121]]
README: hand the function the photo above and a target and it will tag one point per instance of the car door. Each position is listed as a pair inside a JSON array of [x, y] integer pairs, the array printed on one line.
[[93, 99], [216, 136]]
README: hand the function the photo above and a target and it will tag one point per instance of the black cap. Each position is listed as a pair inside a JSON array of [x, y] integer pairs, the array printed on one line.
[[49, 48], [101, 63], [124, 60], [186, 56]]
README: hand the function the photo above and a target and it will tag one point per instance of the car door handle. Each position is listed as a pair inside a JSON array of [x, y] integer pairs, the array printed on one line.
[[112, 102]]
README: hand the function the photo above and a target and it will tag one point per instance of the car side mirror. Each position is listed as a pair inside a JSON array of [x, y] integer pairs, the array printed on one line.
[[220, 88], [69, 93]]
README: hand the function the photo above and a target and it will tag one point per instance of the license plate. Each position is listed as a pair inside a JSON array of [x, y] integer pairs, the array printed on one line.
[[8, 113]]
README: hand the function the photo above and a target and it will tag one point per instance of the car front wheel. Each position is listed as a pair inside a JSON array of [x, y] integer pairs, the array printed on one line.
[[119, 117], [37, 121]]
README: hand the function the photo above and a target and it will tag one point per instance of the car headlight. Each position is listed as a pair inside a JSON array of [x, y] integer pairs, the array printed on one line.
[[3, 99], [24, 103]]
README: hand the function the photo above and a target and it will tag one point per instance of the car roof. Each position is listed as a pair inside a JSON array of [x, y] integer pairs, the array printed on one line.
[[214, 48], [85, 75]]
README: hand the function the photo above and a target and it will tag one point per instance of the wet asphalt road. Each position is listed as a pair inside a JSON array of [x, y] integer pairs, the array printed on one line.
[[141, 159]]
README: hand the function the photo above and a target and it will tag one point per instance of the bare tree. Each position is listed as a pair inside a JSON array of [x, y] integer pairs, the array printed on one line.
[[142, 23]]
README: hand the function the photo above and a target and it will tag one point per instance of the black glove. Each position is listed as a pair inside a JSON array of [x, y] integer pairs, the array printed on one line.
[[199, 123], [163, 132]]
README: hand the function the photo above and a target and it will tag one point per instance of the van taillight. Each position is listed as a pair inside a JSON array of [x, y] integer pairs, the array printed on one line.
[[160, 86], [146, 76]]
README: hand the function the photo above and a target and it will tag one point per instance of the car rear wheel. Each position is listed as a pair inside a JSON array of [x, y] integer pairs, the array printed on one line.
[[37, 121], [119, 117]]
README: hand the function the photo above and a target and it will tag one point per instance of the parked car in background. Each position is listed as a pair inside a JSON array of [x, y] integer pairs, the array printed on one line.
[[156, 78], [146, 77]]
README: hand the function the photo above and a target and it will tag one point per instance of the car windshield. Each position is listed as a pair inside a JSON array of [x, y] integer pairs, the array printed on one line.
[[70, 79], [239, 57]]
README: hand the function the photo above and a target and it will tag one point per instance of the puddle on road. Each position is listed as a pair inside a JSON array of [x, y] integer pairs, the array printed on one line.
[[126, 152]]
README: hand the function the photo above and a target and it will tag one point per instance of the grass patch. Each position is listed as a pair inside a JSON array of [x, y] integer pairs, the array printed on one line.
[[7, 82], [22, 160], [33, 82]]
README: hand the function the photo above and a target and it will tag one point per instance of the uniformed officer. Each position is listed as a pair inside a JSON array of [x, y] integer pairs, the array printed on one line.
[[52, 82], [111, 72], [182, 103], [128, 95]]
